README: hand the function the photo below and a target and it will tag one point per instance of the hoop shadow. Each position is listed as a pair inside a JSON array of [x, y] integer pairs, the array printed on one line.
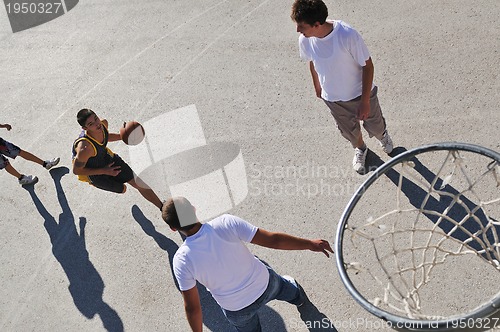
[[416, 196], [213, 317], [68, 247]]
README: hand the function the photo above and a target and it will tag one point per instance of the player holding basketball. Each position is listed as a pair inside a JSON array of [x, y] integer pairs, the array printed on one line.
[[215, 255], [96, 164], [12, 151], [342, 72]]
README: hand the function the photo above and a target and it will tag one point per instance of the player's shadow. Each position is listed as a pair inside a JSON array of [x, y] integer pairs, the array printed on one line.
[[68, 247], [315, 320], [373, 161], [444, 204], [213, 317]]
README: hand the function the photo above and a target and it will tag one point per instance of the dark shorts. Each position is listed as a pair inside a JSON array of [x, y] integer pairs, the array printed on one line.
[[7, 149], [113, 183]]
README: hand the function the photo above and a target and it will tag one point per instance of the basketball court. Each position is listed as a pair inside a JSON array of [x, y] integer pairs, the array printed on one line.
[[231, 118]]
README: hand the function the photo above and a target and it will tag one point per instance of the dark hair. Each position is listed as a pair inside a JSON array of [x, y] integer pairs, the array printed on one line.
[[179, 214], [83, 115], [309, 11]]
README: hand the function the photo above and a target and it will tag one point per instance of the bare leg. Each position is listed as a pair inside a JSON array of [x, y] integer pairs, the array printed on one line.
[[12, 170], [360, 143], [28, 156], [146, 191]]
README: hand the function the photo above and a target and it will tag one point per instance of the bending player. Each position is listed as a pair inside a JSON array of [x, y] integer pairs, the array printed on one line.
[[96, 164], [12, 151]]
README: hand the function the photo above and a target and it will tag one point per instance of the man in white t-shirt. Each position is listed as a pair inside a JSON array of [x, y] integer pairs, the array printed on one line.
[[215, 254], [342, 73]]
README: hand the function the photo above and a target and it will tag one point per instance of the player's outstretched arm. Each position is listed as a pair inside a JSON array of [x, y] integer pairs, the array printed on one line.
[[288, 242], [6, 126], [83, 152]]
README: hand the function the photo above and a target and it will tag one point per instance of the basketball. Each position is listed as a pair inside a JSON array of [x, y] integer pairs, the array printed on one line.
[[132, 133]]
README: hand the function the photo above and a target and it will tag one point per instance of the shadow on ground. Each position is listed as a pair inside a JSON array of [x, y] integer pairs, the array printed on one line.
[[471, 216], [68, 247]]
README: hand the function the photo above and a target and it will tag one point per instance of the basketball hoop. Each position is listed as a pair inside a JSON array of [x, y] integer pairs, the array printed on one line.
[[428, 258]]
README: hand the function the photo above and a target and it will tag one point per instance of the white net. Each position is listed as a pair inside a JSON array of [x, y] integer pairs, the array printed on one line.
[[431, 248]]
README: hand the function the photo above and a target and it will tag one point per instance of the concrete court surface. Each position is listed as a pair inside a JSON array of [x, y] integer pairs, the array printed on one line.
[[78, 259]]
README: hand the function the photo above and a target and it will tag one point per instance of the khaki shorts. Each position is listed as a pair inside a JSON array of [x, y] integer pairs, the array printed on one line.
[[344, 113]]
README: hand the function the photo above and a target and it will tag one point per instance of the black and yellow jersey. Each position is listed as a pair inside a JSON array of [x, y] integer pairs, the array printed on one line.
[[102, 154]]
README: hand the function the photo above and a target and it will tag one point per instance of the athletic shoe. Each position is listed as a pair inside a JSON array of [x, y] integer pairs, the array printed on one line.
[[27, 179], [386, 143], [358, 162], [51, 163]]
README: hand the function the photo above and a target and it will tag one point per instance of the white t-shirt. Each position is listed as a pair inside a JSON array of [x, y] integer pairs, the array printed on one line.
[[217, 257], [338, 59]]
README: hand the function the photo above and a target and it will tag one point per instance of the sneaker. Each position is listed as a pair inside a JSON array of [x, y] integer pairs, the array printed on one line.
[[27, 179], [386, 143], [51, 163], [358, 162]]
